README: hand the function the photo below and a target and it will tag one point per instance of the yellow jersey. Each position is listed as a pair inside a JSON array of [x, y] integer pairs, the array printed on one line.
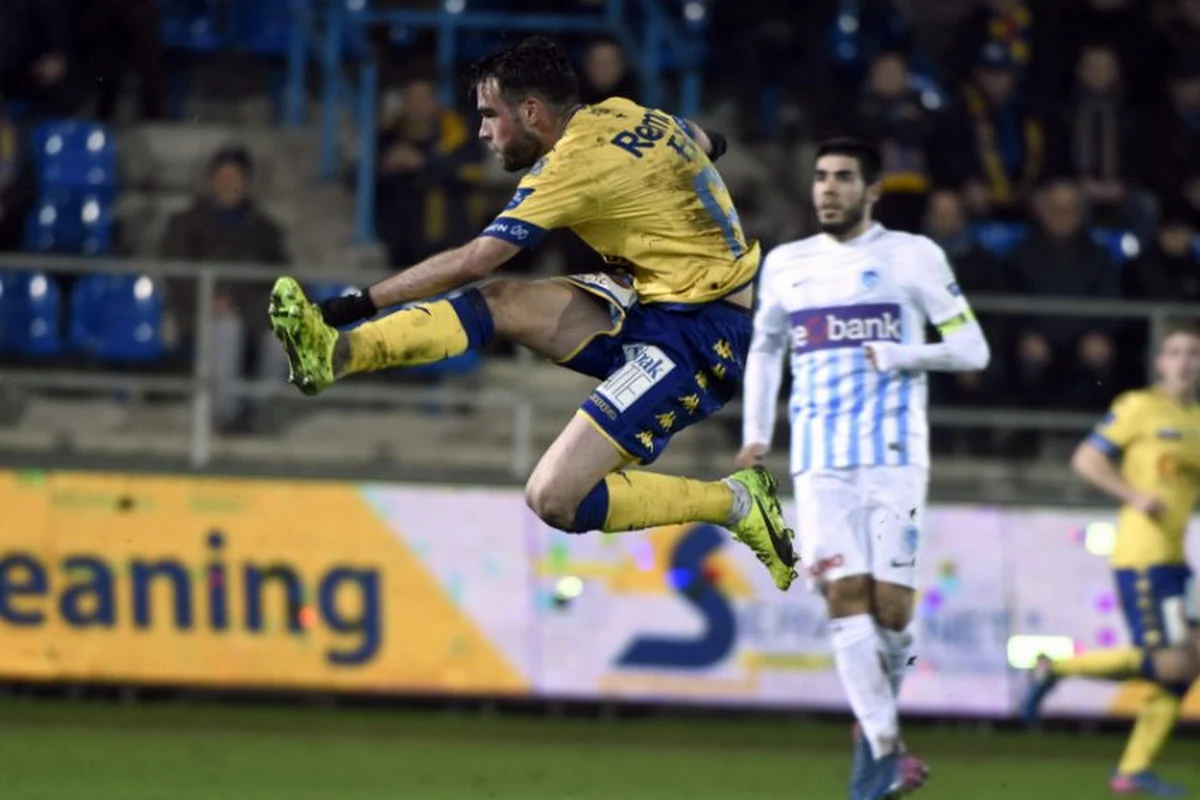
[[635, 186], [1157, 442]]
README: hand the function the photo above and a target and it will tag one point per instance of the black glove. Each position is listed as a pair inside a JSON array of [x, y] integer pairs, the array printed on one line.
[[719, 145], [347, 309]]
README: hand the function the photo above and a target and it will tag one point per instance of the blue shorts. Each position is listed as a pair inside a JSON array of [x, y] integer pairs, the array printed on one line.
[[1159, 604], [664, 368]]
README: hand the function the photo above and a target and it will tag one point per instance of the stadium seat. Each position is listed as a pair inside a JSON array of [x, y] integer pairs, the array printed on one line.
[[1121, 245], [117, 318], [30, 304], [263, 26], [65, 222], [999, 238], [191, 25], [76, 156]]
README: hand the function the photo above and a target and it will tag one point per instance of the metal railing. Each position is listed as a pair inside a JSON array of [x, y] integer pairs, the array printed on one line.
[[518, 400], [321, 29]]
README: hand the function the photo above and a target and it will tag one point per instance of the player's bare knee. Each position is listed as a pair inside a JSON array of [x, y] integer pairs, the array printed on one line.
[[849, 596], [1176, 664], [551, 503], [893, 606], [893, 616]]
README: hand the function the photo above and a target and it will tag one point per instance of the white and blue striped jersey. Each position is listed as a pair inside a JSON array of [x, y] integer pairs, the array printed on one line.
[[822, 300]]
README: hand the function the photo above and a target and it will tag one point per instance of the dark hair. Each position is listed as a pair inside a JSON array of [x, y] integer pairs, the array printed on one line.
[[232, 154], [535, 66], [869, 162]]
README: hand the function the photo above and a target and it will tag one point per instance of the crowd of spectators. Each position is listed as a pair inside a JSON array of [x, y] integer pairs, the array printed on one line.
[[1066, 125]]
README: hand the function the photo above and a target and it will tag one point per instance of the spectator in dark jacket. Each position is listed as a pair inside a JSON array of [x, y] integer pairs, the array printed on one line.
[[606, 73], [429, 165], [994, 145], [226, 225], [1061, 360], [1168, 269], [116, 33], [35, 42], [979, 274], [18, 183], [1106, 143], [1174, 136], [891, 113]]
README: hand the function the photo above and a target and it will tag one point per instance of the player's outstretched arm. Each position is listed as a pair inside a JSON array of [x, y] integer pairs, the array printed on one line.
[[963, 348], [447, 270], [763, 375], [1094, 464]]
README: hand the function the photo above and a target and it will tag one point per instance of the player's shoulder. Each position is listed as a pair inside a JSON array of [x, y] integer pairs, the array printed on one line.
[[792, 254], [912, 245], [1133, 401]]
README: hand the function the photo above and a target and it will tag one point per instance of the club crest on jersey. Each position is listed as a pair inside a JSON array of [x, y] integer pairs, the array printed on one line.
[[870, 279], [845, 326]]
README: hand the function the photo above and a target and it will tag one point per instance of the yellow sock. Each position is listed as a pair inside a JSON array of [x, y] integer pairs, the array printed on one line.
[[1155, 721], [422, 334], [640, 500], [1116, 664]]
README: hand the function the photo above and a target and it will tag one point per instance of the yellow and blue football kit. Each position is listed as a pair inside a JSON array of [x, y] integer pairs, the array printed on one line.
[[1157, 444], [635, 186]]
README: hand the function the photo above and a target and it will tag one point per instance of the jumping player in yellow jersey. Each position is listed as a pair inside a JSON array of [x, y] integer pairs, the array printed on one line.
[[1146, 453], [667, 330]]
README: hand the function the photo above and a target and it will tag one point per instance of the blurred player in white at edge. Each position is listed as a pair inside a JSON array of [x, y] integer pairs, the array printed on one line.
[[851, 304]]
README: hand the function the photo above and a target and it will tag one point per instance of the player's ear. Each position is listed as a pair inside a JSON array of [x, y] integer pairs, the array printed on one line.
[[875, 192], [530, 111]]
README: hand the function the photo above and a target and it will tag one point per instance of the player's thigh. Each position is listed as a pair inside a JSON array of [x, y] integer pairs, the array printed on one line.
[[551, 317], [578, 459], [833, 545], [894, 499]]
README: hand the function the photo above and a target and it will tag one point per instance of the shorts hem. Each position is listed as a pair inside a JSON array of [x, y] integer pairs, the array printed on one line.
[[629, 457]]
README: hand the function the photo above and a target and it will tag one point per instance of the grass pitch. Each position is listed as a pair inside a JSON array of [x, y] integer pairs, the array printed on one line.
[[52, 750]]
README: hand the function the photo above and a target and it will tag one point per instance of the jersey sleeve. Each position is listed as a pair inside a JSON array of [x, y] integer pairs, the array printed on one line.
[[936, 291], [557, 192], [1119, 427], [764, 366]]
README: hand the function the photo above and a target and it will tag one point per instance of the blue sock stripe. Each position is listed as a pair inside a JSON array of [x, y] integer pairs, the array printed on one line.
[[592, 510], [476, 317]]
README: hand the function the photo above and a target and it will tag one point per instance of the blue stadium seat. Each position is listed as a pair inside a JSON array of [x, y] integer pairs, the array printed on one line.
[[66, 222], [117, 318], [30, 304], [999, 238], [1122, 245], [76, 156], [263, 26], [191, 25]]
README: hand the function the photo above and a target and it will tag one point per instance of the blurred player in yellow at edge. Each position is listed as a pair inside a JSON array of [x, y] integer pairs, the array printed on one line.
[[666, 331], [1146, 454]]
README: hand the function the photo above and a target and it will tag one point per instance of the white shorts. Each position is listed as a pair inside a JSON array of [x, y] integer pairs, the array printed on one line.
[[862, 521]]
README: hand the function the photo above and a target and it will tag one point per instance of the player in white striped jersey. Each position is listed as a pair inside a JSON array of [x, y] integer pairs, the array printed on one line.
[[850, 306]]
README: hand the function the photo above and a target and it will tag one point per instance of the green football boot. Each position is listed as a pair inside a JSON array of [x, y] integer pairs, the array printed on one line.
[[763, 529], [300, 328]]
